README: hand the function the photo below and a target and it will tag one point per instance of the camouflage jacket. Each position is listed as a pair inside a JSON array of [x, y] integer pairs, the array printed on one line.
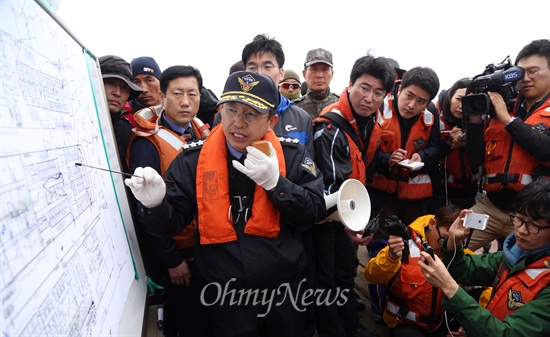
[[313, 103]]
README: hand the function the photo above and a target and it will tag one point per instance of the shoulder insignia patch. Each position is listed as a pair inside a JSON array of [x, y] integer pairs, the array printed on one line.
[[514, 300], [541, 127], [309, 165], [419, 143]]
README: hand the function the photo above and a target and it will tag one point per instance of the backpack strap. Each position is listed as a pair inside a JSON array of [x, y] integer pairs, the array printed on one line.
[[343, 124]]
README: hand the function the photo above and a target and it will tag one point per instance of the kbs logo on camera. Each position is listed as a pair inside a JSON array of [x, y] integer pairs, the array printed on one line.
[[511, 76]]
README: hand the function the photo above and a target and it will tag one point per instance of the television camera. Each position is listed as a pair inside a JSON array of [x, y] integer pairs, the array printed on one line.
[[501, 78]]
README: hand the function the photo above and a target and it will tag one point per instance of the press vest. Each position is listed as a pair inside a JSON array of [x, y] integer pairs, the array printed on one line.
[[397, 178], [213, 199], [343, 108], [411, 298], [507, 164], [512, 292]]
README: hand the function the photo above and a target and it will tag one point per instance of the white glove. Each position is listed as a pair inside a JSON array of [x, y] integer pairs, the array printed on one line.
[[150, 189], [262, 169]]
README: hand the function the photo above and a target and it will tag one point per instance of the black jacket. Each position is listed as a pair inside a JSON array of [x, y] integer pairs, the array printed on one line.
[[253, 261]]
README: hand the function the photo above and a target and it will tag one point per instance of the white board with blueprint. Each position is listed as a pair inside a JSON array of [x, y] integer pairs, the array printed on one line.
[[69, 261]]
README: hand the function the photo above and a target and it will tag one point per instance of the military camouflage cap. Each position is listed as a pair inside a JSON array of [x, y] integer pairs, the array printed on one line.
[[318, 55]]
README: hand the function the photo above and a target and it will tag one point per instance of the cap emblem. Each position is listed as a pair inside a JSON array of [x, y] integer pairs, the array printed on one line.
[[248, 82]]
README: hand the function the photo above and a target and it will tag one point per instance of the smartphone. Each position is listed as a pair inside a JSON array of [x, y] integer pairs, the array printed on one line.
[[476, 221]]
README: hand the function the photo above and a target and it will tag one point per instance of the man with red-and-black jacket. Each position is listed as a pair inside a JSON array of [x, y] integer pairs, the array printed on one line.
[[346, 138]]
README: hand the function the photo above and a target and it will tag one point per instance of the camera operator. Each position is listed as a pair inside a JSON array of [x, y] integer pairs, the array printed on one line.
[[517, 143]]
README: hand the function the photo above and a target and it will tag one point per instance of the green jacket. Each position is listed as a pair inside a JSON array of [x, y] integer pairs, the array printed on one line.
[[313, 103], [532, 320]]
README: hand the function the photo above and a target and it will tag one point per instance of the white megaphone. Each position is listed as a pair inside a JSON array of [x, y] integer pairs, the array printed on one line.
[[353, 205]]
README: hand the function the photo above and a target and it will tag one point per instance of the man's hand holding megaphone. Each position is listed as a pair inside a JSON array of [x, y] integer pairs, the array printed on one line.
[[352, 202]]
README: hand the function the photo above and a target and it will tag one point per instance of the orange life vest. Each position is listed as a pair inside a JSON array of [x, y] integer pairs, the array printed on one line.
[[457, 164], [398, 179], [507, 164], [512, 292], [213, 199], [343, 108], [168, 144], [410, 297]]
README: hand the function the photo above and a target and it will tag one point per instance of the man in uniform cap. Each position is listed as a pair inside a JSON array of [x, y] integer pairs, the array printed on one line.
[[249, 207], [318, 72]]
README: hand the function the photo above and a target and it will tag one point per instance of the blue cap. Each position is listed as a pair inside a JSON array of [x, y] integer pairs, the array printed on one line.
[[145, 65]]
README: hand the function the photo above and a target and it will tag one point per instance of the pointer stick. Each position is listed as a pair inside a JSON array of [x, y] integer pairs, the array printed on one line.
[[123, 173]]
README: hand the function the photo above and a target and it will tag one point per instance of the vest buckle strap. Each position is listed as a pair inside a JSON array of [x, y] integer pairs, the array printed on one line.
[[502, 178]]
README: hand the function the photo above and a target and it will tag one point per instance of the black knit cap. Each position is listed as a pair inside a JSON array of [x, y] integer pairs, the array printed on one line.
[[255, 90], [116, 67]]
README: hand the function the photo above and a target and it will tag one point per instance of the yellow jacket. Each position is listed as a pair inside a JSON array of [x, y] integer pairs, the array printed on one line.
[[382, 269]]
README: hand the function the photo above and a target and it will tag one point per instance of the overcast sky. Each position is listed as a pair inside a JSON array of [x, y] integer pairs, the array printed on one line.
[[455, 38]]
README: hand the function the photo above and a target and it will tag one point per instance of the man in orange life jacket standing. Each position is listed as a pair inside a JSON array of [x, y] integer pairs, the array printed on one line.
[[513, 147], [411, 132], [520, 274], [249, 205], [160, 135], [347, 135]]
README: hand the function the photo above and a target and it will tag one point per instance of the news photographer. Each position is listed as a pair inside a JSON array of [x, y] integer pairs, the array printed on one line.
[[413, 306], [515, 132], [519, 275]]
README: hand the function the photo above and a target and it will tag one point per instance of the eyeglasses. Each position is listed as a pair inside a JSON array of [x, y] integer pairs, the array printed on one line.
[[531, 227], [441, 238], [249, 116], [254, 68], [288, 85], [366, 90], [533, 72]]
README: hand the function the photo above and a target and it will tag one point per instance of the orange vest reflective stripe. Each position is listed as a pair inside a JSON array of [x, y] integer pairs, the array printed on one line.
[[516, 163], [398, 179], [513, 292], [168, 144], [414, 293], [213, 198], [343, 108]]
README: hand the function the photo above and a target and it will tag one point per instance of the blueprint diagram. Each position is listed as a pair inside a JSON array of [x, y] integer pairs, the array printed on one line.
[[65, 258]]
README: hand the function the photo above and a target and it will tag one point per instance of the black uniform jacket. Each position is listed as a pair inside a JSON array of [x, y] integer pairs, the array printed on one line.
[[253, 261]]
